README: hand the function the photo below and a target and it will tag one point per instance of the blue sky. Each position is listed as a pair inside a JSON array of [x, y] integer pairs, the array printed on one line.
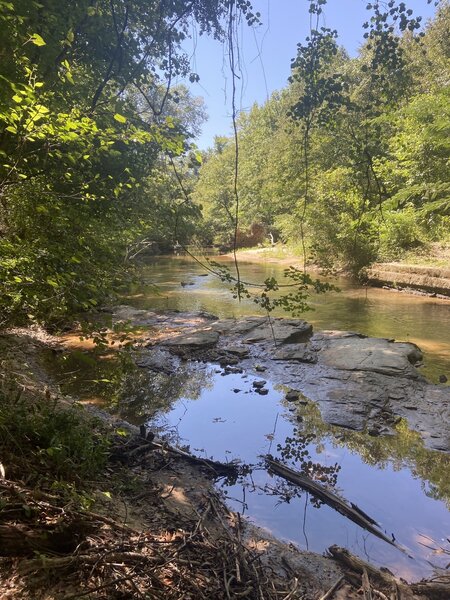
[[266, 52]]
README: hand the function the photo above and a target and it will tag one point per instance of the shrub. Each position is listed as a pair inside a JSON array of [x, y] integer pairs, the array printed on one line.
[[400, 231]]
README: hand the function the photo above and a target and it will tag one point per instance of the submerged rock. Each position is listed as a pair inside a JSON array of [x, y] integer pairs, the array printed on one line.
[[259, 384]]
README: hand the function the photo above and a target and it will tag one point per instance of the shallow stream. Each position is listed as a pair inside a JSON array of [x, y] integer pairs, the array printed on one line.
[[394, 479], [180, 283]]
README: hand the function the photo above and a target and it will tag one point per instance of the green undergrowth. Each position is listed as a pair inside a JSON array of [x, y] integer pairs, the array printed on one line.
[[44, 442], [431, 255]]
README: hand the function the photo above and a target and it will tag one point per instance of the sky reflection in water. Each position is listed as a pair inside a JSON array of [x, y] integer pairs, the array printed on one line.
[[383, 476]]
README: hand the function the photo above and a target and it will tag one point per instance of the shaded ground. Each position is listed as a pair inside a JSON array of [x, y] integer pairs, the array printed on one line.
[[148, 525]]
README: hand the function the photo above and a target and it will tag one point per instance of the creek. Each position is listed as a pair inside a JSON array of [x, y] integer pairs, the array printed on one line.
[[372, 311], [404, 486]]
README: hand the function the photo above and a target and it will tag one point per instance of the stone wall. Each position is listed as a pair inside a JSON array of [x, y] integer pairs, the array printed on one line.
[[427, 279]]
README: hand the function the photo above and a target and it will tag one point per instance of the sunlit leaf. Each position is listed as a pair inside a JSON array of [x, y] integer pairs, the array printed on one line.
[[120, 118], [37, 40]]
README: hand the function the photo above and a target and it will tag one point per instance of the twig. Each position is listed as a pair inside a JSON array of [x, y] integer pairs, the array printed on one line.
[[98, 588], [367, 588], [336, 585]]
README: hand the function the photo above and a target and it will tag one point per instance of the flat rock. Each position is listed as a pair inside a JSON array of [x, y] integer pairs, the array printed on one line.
[[239, 351], [371, 354], [296, 352], [173, 318], [134, 315], [196, 339], [282, 331], [157, 359], [238, 327], [358, 382]]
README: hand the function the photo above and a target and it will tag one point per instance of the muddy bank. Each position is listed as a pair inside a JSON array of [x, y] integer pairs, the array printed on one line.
[[358, 382], [430, 280]]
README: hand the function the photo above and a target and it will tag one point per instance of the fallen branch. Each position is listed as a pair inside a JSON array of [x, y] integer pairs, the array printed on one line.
[[351, 511], [219, 468], [60, 562], [432, 589], [435, 590]]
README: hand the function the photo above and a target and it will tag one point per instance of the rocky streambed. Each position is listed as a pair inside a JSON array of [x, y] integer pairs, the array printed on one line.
[[358, 382], [321, 385]]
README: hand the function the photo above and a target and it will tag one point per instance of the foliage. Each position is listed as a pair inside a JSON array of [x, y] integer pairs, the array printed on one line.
[[51, 439], [351, 159], [87, 114], [399, 231], [291, 296]]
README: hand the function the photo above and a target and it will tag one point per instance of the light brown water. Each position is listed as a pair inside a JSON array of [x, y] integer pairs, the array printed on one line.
[[372, 311]]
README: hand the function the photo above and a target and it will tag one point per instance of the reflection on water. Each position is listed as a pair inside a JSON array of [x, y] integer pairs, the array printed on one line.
[[376, 312], [395, 480]]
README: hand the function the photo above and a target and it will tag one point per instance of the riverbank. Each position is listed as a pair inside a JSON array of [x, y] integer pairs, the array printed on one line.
[[411, 278], [145, 522], [142, 521], [426, 272]]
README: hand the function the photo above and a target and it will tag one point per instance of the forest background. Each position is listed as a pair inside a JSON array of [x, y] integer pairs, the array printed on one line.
[[348, 163]]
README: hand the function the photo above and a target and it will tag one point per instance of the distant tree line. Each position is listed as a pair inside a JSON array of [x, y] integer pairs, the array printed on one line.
[[351, 160]]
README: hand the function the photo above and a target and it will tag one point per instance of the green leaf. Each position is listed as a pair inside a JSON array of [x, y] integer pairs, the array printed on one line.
[[120, 118], [122, 432], [37, 40], [52, 282]]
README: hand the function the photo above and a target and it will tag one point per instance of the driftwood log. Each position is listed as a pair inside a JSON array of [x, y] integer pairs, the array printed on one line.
[[141, 445], [433, 589], [218, 467], [349, 510]]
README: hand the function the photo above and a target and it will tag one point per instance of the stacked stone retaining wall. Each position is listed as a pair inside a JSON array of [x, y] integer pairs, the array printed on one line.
[[426, 279]]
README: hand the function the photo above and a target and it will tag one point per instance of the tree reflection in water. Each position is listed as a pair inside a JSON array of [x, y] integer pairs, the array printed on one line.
[[295, 453]]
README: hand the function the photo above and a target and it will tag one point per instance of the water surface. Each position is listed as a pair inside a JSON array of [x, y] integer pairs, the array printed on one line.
[[395, 480], [398, 482], [372, 311]]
